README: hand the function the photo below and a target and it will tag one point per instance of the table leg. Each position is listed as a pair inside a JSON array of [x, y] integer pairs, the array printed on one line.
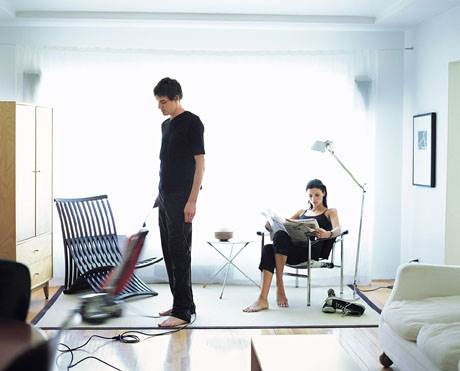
[[215, 274], [244, 274], [229, 262], [228, 269]]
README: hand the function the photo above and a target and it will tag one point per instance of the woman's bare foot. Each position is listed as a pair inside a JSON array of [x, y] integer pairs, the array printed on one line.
[[281, 298], [257, 306], [165, 313], [172, 322]]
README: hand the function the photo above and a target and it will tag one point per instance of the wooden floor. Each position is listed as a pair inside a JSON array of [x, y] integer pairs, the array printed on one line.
[[220, 350]]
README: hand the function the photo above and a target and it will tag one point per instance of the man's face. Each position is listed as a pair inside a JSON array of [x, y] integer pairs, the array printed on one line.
[[166, 105]]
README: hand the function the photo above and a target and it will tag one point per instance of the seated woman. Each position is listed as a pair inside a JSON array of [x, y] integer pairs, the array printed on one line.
[[283, 250]]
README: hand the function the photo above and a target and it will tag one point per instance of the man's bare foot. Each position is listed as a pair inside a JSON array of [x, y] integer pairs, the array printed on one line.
[[281, 298], [257, 306], [165, 313], [172, 322]]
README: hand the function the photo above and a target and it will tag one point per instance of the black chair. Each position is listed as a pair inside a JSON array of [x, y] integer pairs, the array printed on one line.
[[14, 290], [310, 263], [91, 247]]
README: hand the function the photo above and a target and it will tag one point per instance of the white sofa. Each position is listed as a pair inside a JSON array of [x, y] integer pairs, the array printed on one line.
[[420, 324]]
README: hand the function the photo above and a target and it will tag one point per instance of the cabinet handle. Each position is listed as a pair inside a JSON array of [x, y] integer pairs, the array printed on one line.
[[36, 274], [35, 171], [36, 250]]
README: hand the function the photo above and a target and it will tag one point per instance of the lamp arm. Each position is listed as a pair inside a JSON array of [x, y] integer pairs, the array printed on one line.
[[345, 168]]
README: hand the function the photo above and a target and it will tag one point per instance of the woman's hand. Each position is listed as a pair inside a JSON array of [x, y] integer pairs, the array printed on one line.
[[322, 233], [268, 227]]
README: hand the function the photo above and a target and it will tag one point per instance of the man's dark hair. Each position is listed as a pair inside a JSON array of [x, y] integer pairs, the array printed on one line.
[[316, 183], [168, 87]]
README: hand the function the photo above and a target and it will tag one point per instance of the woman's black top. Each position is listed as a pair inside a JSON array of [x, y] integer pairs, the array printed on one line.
[[325, 223]]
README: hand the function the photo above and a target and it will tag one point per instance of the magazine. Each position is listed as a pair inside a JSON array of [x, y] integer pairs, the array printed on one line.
[[298, 229]]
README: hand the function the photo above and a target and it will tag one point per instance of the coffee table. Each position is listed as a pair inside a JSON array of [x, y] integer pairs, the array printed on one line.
[[318, 352]]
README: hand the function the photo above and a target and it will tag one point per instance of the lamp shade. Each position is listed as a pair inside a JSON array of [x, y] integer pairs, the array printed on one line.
[[320, 146]]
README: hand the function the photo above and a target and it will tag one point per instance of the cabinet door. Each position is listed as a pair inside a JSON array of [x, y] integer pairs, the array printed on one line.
[[44, 169], [25, 172]]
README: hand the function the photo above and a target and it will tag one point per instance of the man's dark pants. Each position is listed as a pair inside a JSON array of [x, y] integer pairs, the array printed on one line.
[[176, 242]]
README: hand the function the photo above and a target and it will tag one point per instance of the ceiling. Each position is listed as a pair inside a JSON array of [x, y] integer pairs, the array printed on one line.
[[352, 12]]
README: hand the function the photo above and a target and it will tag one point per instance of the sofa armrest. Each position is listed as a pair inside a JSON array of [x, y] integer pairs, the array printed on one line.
[[417, 281]]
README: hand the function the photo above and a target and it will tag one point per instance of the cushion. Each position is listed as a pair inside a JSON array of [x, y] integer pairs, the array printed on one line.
[[441, 344], [406, 317]]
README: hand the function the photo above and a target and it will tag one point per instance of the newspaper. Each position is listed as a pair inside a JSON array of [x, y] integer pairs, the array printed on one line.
[[298, 229]]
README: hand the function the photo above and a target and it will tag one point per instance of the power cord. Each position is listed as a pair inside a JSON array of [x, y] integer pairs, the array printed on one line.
[[378, 288], [127, 337], [134, 310], [71, 350]]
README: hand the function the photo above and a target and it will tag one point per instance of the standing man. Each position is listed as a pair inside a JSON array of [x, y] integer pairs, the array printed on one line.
[[181, 173]]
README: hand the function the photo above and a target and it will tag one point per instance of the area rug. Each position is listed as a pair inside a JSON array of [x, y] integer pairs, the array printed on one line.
[[215, 313]]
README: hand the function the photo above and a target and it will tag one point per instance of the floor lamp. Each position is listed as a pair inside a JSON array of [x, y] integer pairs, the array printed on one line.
[[327, 146]]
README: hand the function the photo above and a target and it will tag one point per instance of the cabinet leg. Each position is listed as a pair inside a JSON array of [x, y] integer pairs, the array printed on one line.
[[46, 290], [385, 360]]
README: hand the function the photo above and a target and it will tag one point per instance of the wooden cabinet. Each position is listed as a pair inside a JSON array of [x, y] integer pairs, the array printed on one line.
[[26, 188]]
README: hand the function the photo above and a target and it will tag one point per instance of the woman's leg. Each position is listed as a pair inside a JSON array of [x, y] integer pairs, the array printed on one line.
[[282, 246], [262, 301], [267, 266], [281, 298]]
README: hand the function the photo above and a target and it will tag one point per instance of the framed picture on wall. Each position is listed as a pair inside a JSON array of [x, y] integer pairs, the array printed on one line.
[[424, 150]]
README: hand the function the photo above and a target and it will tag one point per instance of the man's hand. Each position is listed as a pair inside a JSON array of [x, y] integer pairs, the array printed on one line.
[[189, 211]]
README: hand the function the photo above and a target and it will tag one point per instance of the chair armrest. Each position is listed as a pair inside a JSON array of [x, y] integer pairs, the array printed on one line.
[[262, 233], [337, 238], [417, 281]]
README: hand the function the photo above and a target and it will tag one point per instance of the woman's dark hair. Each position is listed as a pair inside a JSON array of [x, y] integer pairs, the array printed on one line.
[[316, 183], [168, 87]]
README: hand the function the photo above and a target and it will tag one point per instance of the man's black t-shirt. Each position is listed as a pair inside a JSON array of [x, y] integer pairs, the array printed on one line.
[[182, 139]]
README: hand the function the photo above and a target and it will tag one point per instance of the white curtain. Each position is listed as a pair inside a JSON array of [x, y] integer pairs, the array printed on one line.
[[261, 112]]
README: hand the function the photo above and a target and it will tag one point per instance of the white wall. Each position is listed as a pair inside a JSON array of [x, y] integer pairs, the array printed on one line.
[[386, 245], [7, 72], [436, 43], [388, 151]]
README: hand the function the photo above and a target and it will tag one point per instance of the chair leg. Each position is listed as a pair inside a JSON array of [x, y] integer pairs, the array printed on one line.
[[309, 274], [341, 266]]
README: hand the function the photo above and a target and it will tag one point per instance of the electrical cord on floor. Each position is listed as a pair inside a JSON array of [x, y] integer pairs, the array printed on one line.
[[378, 288], [130, 337], [71, 350], [127, 337], [133, 309]]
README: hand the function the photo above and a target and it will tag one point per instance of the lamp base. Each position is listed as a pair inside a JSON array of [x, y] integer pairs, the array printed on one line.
[[354, 297]]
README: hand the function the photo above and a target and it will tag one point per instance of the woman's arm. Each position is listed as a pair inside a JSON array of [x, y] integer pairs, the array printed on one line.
[[335, 231], [334, 218], [297, 214]]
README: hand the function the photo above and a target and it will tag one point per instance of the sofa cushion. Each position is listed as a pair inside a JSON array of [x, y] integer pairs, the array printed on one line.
[[406, 317], [440, 342]]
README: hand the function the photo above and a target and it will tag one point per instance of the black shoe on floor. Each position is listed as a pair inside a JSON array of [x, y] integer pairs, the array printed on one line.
[[348, 308]]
